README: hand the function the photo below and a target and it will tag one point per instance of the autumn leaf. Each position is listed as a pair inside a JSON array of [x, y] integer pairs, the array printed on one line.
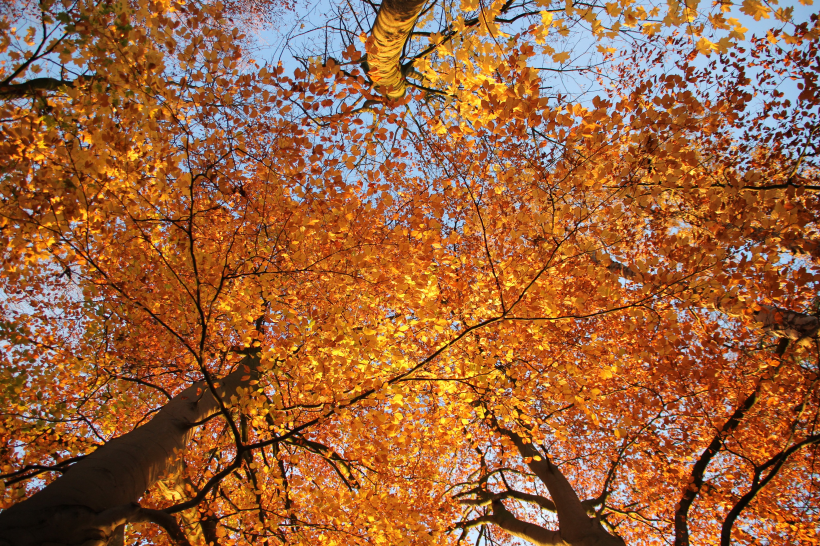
[[756, 9], [705, 46], [561, 57]]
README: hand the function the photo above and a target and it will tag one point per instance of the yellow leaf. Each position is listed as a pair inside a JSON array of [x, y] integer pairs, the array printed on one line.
[[784, 15], [546, 18], [613, 9], [723, 45], [756, 9], [561, 57], [738, 31], [706, 46]]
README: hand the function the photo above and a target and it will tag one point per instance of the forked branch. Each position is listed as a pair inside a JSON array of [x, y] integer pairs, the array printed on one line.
[[575, 527], [699, 469]]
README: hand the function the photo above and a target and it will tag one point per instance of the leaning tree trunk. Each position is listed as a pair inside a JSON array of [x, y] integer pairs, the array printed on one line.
[[394, 23], [90, 504]]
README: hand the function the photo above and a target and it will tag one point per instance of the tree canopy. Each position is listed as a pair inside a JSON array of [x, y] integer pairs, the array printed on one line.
[[485, 272]]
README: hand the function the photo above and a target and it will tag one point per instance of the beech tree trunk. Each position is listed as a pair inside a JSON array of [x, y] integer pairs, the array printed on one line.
[[394, 23], [575, 527], [90, 504], [795, 326]]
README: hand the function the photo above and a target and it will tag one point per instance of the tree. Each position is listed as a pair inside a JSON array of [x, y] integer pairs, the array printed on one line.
[[377, 299]]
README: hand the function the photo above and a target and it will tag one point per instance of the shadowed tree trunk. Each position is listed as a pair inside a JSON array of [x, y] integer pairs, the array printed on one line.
[[394, 23], [795, 326], [575, 527], [90, 504]]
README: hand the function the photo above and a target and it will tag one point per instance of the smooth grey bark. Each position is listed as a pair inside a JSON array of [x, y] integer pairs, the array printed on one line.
[[86, 505]]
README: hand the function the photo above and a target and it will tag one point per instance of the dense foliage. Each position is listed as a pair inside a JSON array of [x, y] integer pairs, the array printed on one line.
[[474, 272]]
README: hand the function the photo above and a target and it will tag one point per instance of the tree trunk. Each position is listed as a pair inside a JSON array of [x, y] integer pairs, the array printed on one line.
[[795, 326], [575, 527], [88, 504], [394, 23]]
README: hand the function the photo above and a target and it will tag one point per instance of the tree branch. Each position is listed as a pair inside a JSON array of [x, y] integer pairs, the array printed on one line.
[[776, 463], [575, 527], [484, 498], [33, 86], [698, 470], [522, 529], [391, 30], [164, 520]]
